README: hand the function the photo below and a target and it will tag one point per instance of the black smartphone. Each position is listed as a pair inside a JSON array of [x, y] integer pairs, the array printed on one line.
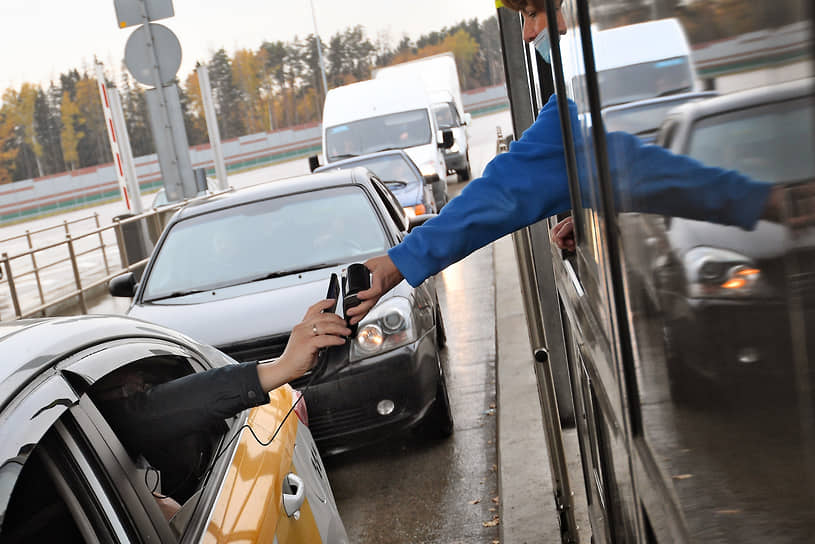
[[333, 292], [357, 278]]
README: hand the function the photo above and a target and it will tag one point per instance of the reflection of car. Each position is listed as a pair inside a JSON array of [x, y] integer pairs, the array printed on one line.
[[723, 290], [643, 117], [66, 476], [399, 174], [239, 270]]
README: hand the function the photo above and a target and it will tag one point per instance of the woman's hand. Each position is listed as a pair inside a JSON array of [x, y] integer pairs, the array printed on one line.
[[317, 330]]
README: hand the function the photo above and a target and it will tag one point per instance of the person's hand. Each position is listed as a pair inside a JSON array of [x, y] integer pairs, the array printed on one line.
[[563, 234], [384, 277], [792, 205], [317, 330]]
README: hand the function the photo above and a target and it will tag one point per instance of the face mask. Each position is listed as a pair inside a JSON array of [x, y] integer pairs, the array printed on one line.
[[541, 43]]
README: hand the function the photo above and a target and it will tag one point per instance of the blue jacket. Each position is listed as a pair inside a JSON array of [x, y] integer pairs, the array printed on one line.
[[529, 183]]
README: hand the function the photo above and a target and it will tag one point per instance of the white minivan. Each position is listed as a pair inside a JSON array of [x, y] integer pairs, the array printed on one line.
[[377, 115]]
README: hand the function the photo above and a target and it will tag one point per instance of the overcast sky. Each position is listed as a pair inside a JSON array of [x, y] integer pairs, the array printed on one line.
[[39, 39]]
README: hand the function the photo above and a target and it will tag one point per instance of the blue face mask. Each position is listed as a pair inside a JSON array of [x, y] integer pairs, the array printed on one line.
[[541, 43]]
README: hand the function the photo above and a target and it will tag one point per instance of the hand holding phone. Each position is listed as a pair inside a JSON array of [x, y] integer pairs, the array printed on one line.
[[357, 278]]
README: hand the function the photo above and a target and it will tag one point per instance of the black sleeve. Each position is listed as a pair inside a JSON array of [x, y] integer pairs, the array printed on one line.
[[186, 405]]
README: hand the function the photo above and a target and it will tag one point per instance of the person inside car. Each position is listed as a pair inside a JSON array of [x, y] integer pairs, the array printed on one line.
[[529, 183], [174, 425]]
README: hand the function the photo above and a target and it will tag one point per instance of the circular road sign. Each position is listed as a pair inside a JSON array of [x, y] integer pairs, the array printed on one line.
[[139, 57]]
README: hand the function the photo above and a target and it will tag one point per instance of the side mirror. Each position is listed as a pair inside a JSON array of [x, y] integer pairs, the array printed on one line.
[[468, 119], [446, 140], [123, 285], [313, 162], [420, 220]]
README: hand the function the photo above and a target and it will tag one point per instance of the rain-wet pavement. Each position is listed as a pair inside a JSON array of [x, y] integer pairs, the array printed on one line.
[[408, 489]]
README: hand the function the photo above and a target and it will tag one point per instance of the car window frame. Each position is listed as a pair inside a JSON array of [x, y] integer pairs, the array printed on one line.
[[395, 210]]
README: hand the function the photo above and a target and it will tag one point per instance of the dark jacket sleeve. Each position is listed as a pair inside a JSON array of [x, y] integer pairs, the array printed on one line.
[[186, 405]]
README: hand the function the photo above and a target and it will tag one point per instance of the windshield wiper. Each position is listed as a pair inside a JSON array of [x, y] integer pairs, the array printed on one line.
[[343, 156], [176, 294], [281, 273]]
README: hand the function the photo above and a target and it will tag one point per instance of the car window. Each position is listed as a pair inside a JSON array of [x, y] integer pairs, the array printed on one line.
[[446, 116], [59, 498], [772, 143], [275, 236], [396, 211], [394, 131], [388, 168]]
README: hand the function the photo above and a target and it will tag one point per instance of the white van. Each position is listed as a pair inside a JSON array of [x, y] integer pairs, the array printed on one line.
[[634, 62], [439, 75], [376, 115]]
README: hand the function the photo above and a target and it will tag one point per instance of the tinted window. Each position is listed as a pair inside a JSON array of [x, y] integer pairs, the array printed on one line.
[[395, 131], [770, 143], [236, 245], [639, 118]]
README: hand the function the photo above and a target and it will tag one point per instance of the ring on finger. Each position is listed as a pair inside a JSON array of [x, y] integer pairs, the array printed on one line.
[[314, 330]]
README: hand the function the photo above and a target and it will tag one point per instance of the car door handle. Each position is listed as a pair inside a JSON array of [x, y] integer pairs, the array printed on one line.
[[293, 501]]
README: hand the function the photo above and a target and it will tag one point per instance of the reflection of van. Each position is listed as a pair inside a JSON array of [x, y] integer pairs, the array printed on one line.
[[633, 62], [376, 115]]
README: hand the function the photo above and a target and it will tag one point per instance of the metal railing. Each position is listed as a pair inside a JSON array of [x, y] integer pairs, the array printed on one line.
[[39, 278]]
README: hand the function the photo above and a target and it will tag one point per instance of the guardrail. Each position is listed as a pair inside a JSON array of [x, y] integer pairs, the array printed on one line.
[[41, 278]]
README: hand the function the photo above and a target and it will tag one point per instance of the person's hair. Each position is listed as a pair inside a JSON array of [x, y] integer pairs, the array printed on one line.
[[519, 5]]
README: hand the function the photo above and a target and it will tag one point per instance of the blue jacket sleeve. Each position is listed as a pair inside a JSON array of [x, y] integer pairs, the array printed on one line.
[[517, 189], [529, 183]]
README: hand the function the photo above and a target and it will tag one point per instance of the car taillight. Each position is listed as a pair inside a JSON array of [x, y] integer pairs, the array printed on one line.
[[300, 408]]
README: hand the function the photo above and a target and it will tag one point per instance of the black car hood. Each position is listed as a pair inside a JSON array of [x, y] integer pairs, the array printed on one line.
[[243, 312], [767, 241]]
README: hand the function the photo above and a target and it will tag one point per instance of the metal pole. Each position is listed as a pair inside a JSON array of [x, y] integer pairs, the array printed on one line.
[[77, 277], [319, 50], [34, 265], [15, 302], [101, 244], [212, 126]]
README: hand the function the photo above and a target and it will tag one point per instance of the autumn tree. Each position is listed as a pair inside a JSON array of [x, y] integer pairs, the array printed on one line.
[[70, 134], [8, 152]]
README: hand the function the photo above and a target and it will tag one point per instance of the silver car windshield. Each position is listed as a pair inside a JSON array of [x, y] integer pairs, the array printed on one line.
[[266, 238], [395, 131], [388, 168], [772, 143]]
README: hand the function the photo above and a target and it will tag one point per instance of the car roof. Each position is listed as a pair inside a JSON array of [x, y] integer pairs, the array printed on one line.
[[33, 346], [637, 104], [746, 99], [311, 182], [340, 164]]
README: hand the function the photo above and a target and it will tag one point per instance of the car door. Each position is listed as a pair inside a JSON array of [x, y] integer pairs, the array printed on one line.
[[252, 489], [53, 487]]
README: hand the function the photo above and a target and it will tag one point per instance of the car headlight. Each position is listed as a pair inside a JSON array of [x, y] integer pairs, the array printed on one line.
[[388, 326], [714, 272]]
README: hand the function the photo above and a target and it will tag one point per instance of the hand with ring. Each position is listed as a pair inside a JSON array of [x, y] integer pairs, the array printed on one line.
[[317, 330]]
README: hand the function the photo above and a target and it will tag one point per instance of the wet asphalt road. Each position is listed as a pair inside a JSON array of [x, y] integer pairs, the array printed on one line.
[[409, 489]]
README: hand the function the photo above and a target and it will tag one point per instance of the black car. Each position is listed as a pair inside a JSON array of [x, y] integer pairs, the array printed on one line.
[[399, 173], [65, 472], [239, 271], [723, 291]]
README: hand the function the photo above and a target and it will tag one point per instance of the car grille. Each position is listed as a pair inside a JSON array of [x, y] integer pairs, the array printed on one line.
[[330, 424], [259, 349]]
